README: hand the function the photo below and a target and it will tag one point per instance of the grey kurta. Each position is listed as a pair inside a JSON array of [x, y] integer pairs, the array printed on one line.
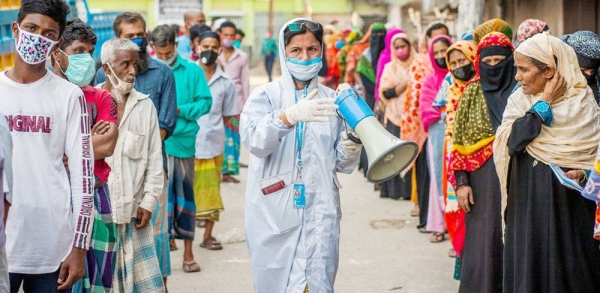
[[289, 247]]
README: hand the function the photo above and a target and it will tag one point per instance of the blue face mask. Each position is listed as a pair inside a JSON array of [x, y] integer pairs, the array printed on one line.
[[142, 43], [340, 44], [237, 44], [138, 41], [81, 70], [304, 70], [169, 61]]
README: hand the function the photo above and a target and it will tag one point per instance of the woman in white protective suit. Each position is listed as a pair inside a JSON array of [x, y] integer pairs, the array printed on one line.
[[297, 145]]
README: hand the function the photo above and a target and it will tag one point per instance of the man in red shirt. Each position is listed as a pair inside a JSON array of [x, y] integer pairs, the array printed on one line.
[[73, 61]]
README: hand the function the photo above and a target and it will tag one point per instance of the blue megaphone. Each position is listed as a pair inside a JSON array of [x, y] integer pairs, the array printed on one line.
[[388, 155]]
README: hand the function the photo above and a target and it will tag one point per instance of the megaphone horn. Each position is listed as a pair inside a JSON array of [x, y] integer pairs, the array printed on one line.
[[388, 155]]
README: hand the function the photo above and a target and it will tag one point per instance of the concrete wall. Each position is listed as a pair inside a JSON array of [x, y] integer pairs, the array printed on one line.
[[550, 11]]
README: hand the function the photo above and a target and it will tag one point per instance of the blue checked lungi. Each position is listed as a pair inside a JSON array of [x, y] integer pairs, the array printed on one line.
[[137, 268]]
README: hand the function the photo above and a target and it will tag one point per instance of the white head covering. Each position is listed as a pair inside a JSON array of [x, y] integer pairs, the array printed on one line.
[[281, 92], [286, 77], [572, 140], [544, 48]]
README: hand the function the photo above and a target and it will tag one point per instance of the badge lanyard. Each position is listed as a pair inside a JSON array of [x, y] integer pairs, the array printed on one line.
[[299, 196]]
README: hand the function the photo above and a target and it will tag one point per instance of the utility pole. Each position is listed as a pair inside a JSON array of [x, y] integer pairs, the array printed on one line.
[[271, 16], [308, 9]]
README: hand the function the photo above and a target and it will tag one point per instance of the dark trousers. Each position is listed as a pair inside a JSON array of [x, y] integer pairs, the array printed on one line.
[[269, 60], [423, 180], [42, 283]]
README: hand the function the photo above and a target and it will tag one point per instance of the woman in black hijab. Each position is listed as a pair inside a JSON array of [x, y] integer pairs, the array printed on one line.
[[497, 81]]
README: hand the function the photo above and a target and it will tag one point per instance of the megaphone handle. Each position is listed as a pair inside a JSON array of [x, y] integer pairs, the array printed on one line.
[[351, 136]]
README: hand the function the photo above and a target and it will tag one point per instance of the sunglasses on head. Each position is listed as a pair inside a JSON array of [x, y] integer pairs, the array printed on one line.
[[311, 26]]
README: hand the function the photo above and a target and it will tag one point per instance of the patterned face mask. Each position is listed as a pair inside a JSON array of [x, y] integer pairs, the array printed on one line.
[[33, 49]]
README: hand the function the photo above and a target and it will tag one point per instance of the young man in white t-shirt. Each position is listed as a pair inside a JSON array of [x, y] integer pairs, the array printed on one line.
[[48, 227]]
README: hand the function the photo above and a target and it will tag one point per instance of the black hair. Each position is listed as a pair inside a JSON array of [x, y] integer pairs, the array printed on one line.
[[127, 17], [209, 34], [227, 24], [541, 65], [443, 40], [55, 9], [176, 28], [240, 32], [198, 29], [162, 36], [434, 27], [287, 34], [77, 30]]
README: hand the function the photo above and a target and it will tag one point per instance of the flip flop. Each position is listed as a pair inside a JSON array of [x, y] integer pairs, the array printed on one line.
[[191, 266], [229, 178], [452, 253], [423, 230], [211, 244], [437, 237]]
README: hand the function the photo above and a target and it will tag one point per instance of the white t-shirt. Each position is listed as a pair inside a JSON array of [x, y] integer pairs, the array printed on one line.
[[50, 213]]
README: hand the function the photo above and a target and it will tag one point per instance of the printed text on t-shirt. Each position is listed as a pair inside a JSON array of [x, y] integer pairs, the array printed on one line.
[[24, 123]]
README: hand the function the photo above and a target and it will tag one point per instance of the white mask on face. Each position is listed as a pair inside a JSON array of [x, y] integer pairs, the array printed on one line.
[[304, 70], [120, 88]]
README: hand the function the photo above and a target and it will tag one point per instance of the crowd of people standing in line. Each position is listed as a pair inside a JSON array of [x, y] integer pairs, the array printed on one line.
[[507, 127], [507, 132]]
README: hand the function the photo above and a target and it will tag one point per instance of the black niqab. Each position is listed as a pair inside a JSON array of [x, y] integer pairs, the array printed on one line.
[[377, 44], [497, 83]]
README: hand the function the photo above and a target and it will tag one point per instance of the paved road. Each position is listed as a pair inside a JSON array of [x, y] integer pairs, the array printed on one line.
[[381, 249]]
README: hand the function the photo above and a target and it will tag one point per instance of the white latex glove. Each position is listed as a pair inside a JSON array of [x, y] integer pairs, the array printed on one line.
[[350, 148], [310, 110]]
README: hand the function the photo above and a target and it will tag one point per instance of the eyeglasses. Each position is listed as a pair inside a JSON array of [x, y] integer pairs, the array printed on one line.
[[311, 26]]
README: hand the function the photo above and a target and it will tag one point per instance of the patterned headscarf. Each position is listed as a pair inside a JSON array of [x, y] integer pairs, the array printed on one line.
[[586, 44], [493, 25], [411, 128], [458, 86], [472, 141], [529, 28], [587, 47]]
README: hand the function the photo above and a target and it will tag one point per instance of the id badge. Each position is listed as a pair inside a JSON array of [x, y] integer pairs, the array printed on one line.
[[299, 196]]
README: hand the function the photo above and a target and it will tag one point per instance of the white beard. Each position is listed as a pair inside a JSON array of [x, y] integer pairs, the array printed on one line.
[[118, 96]]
